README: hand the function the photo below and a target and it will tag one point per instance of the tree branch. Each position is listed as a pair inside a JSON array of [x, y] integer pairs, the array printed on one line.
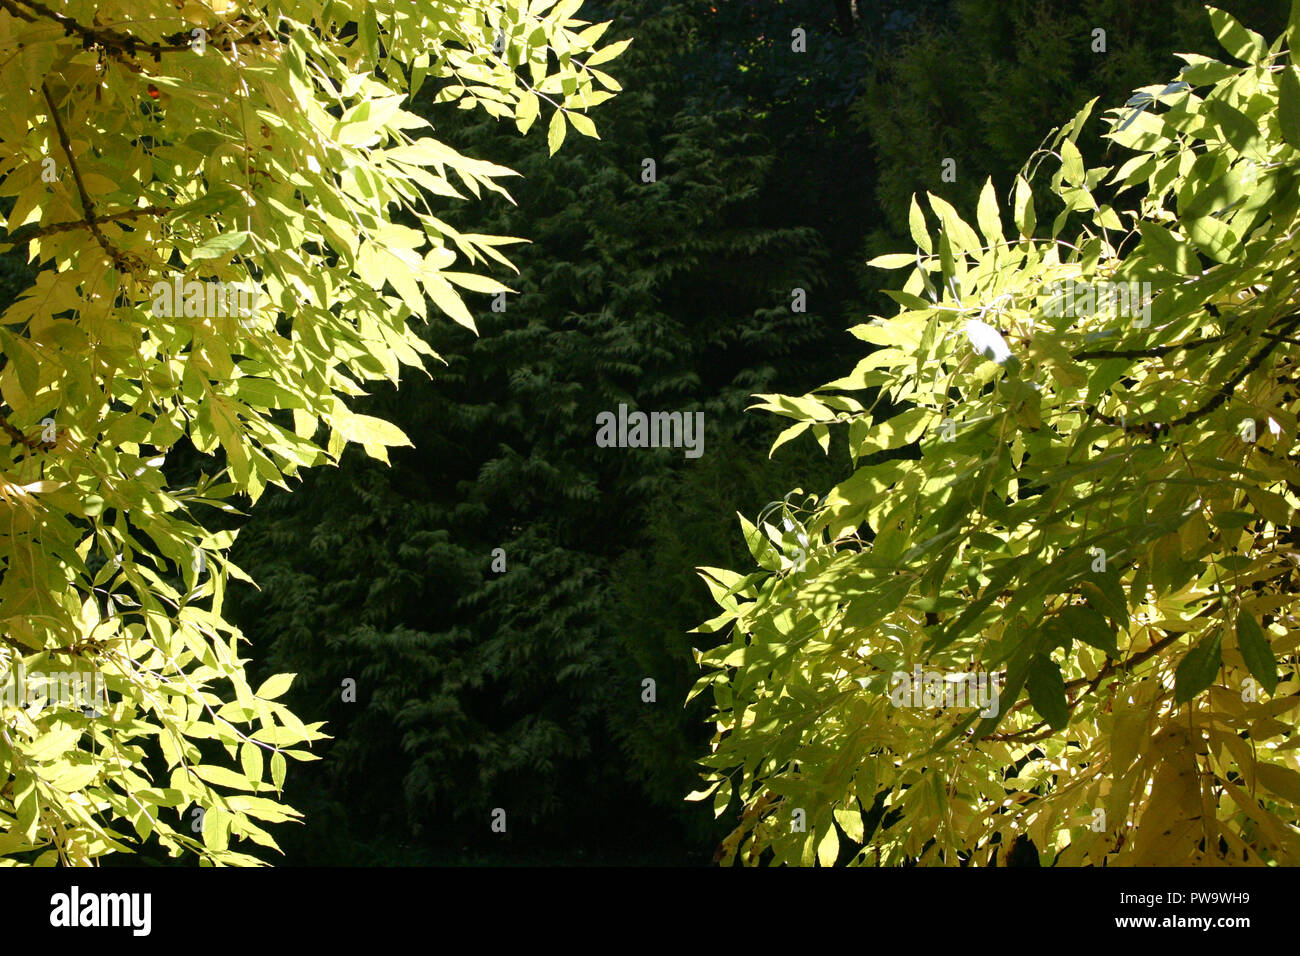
[[1226, 390], [27, 233], [20, 439], [1156, 429], [74, 650], [1154, 352], [119, 44], [1110, 667], [121, 262]]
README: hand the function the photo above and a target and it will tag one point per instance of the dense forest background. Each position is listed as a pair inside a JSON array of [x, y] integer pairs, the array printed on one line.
[[776, 170]]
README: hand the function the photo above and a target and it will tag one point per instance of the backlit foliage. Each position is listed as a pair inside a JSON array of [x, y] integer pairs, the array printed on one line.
[[259, 145], [1148, 714]]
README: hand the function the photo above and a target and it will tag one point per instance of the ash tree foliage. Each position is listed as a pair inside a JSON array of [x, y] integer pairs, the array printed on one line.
[[151, 152], [1095, 504]]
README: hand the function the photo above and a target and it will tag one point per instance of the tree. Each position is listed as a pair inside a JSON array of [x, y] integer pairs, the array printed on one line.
[[515, 680], [215, 201], [1075, 477]]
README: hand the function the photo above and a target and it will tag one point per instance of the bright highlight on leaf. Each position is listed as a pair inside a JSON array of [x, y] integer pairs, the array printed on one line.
[[987, 341]]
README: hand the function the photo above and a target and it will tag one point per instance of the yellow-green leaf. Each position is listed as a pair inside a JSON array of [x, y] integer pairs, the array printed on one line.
[[555, 135]]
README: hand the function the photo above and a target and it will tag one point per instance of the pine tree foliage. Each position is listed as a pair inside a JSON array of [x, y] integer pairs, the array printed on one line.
[[1023, 64], [522, 688]]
